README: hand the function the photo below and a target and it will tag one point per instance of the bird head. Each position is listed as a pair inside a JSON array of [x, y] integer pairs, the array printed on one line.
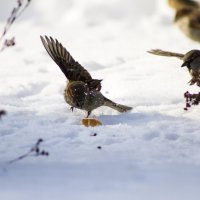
[[189, 57]]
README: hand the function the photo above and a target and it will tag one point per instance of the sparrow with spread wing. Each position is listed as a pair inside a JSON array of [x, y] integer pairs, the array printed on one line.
[[82, 91], [190, 59]]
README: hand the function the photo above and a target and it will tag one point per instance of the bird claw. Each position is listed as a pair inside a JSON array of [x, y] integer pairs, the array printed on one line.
[[88, 113], [72, 109]]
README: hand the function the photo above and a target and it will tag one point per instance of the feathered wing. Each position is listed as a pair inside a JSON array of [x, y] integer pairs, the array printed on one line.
[[72, 69], [160, 52]]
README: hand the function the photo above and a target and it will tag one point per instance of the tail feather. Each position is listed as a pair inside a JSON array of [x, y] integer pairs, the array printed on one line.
[[120, 108], [160, 52]]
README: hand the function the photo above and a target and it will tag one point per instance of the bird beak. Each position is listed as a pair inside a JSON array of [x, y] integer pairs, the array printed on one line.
[[184, 64]]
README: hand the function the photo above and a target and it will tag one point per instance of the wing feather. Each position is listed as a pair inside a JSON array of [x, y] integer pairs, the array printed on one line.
[[71, 68]]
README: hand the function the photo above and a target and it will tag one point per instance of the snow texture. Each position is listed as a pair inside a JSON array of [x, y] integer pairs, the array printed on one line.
[[150, 153]]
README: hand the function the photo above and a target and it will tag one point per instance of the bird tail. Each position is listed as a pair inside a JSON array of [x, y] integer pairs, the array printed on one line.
[[160, 52], [120, 108]]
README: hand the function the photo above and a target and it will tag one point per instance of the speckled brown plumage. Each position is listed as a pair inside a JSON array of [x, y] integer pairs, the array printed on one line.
[[82, 91]]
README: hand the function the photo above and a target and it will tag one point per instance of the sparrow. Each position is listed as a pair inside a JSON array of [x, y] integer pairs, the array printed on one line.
[[188, 21], [81, 91], [187, 17], [180, 4], [191, 60]]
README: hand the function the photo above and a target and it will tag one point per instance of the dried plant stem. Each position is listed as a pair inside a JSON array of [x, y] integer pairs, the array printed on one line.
[[34, 151], [15, 13]]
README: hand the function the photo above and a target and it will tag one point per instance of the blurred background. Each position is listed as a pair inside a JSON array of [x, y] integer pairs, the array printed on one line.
[[87, 19], [53, 11]]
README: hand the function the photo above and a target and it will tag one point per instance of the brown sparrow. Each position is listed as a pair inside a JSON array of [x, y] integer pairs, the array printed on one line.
[[82, 91], [191, 60], [188, 20], [187, 17]]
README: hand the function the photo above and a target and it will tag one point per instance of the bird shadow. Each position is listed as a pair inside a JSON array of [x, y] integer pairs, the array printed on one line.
[[140, 118]]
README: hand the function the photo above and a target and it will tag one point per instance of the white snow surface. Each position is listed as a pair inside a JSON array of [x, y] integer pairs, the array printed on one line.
[[150, 153]]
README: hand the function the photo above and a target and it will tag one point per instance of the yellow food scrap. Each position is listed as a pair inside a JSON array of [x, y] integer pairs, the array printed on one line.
[[90, 122]]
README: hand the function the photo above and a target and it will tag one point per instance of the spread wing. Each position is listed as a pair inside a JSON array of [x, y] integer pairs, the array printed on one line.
[[71, 68]]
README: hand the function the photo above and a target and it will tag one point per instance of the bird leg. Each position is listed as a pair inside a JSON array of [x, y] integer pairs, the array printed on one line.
[[88, 113], [72, 108]]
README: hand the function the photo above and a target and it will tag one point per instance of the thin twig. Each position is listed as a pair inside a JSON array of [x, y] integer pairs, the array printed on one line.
[[15, 13], [34, 151]]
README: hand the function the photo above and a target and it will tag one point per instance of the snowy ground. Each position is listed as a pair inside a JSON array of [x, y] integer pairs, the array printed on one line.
[[151, 153]]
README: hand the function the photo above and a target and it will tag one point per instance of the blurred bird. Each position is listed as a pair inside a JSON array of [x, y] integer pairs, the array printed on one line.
[[190, 59], [180, 4], [187, 17], [82, 91], [188, 20]]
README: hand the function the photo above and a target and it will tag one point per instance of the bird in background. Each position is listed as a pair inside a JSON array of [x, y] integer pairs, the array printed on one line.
[[81, 91], [187, 17], [180, 4], [190, 59]]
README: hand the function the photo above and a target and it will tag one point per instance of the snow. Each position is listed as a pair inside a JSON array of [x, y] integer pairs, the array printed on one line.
[[149, 153]]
